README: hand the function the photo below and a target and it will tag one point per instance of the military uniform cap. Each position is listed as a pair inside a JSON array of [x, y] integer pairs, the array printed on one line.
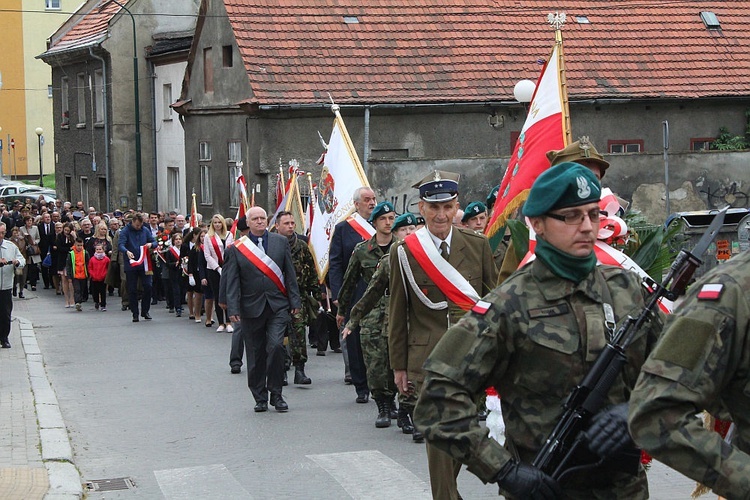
[[403, 220], [438, 186], [565, 185], [420, 220], [492, 197], [581, 150], [382, 208], [473, 209]]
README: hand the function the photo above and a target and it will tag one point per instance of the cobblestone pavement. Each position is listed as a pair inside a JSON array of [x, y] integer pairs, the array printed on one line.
[[155, 401]]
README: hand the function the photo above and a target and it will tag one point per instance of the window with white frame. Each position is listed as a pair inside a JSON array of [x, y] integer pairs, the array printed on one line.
[[206, 186], [204, 153], [625, 146], [81, 93], [65, 102], [52, 4], [98, 96], [167, 101], [173, 188]]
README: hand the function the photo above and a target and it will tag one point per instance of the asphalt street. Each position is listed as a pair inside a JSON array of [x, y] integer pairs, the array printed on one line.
[[154, 402]]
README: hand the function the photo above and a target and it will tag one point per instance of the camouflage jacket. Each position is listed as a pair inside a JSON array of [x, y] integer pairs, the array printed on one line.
[[539, 337], [304, 267], [362, 265], [701, 362], [374, 302]]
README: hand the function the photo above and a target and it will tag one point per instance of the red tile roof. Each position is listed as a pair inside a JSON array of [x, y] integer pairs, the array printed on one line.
[[420, 51], [90, 29]]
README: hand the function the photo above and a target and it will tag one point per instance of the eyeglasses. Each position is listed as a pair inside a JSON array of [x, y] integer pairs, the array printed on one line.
[[576, 218]]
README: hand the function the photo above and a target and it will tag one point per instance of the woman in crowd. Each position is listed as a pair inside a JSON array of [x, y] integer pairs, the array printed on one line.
[[201, 273], [192, 282], [54, 256], [64, 243], [33, 259], [22, 242], [173, 264], [101, 237], [214, 243]]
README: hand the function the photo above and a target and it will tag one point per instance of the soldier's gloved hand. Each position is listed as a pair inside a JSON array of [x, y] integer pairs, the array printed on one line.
[[521, 480], [608, 433]]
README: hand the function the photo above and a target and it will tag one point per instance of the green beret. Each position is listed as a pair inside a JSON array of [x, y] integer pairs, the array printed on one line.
[[382, 208], [565, 185], [473, 209], [403, 220], [492, 197]]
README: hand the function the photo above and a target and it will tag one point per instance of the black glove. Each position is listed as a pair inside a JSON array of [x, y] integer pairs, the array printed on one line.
[[521, 480], [608, 434]]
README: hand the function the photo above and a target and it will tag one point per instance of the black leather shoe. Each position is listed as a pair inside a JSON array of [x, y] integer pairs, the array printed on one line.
[[417, 437], [363, 398], [348, 380], [394, 409], [261, 407], [286, 380], [5, 344], [320, 353], [124, 308], [299, 376], [236, 369], [135, 319], [147, 316], [337, 350], [279, 403]]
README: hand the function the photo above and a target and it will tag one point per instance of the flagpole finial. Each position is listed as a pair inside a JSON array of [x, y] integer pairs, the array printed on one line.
[[322, 141], [334, 107], [556, 20]]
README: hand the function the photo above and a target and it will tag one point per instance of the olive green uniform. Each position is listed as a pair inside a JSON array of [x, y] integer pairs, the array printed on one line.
[[701, 362], [538, 338], [307, 281], [414, 328], [370, 314]]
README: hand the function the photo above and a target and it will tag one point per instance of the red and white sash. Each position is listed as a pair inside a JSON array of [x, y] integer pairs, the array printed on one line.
[[142, 259], [175, 253], [262, 261], [453, 285], [218, 249], [359, 224]]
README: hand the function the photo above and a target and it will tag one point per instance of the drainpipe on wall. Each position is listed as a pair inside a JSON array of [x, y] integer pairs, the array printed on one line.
[[155, 190], [365, 155], [106, 125]]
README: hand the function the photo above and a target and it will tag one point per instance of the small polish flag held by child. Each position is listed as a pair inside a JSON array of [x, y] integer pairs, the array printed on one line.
[[710, 292], [495, 422]]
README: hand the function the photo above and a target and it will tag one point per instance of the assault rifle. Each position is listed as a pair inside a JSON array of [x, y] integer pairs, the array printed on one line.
[[591, 393]]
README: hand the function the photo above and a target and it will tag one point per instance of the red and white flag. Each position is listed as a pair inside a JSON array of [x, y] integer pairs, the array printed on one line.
[[242, 209], [545, 129], [193, 214]]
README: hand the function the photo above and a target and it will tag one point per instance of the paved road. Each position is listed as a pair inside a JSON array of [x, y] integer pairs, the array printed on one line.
[[155, 402]]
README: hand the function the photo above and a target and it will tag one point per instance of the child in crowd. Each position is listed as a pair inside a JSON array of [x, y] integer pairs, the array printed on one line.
[[98, 266], [76, 270], [173, 263]]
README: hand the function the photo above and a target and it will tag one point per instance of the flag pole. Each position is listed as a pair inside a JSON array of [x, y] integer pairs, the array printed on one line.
[[568, 135]]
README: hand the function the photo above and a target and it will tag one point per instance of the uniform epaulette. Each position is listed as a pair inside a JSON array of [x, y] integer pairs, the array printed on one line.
[[470, 232]]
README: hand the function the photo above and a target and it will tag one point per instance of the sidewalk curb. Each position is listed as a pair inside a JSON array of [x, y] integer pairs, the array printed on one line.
[[57, 452]]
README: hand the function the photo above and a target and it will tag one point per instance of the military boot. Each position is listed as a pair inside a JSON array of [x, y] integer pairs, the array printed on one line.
[[416, 436], [404, 421], [394, 409], [384, 413], [299, 375]]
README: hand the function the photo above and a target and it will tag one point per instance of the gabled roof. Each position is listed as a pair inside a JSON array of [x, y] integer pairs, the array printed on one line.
[[90, 28], [419, 51]]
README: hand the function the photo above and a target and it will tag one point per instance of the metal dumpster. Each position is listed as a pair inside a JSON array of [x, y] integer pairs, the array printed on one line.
[[727, 242]]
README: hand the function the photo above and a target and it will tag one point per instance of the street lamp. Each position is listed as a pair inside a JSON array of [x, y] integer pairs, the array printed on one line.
[[138, 166], [524, 91], [39, 138]]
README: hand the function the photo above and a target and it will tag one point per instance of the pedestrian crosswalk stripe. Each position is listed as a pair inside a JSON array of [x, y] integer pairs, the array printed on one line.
[[206, 482], [370, 474]]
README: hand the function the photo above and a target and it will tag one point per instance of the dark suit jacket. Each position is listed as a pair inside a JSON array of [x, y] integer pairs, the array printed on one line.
[[248, 290], [46, 240], [344, 239]]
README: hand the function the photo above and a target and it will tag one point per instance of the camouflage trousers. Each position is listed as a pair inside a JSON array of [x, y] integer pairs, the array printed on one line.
[[296, 333], [375, 353]]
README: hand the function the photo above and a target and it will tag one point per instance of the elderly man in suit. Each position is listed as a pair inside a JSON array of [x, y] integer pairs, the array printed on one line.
[[261, 291], [437, 273]]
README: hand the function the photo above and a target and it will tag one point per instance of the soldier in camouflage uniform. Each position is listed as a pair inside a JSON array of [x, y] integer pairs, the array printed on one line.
[[362, 265], [307, 281], [371, 314], [534, 338], [701, 362]]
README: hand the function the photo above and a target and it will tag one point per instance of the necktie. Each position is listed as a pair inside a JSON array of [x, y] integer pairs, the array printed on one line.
[[260, 245], [444, 250]]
